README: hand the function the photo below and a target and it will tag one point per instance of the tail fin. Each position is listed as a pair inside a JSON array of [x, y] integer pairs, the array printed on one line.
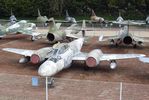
[[39, 13], [83, 28], [67, 15], [52, 25], [93, 13]]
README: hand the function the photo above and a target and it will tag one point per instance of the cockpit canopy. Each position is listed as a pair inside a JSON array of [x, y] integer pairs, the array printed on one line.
[[57, 50]]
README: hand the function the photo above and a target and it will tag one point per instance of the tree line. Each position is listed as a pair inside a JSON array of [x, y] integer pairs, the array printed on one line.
[[132, 9]]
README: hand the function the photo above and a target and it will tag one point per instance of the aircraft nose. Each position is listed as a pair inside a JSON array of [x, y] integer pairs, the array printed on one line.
[[47, 69]]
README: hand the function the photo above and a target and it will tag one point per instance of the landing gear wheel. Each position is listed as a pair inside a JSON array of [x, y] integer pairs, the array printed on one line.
[[51, 82], [134, 46], [32, 38]]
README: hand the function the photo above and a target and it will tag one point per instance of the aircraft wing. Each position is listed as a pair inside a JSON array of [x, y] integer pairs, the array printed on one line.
[[108, 57], [119, 56], [107, 38], [22, 31], [128, 22], [71, 36], [144, 59], [80, 56], [143, 39], [19, 51]]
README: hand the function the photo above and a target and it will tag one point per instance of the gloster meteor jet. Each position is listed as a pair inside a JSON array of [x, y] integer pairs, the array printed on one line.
[[60, 56]]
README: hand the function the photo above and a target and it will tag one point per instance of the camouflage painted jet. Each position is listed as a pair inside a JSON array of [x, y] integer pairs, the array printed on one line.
[[60, 56], [124, 37], [21, 27], [95, 18], [55, 34]]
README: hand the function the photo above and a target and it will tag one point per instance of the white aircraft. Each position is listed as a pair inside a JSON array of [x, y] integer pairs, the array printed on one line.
[[124, 37], [60, 56], [21, 27]]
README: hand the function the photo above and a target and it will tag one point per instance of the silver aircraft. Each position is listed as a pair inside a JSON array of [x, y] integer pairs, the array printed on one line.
[[68, 19], [124, 37], [21, 27], [60, 56]]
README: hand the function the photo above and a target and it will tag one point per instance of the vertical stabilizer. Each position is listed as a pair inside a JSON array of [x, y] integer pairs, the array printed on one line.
[[52, 25], [67, 15], [39, 13], [83, 28], [93, 13]]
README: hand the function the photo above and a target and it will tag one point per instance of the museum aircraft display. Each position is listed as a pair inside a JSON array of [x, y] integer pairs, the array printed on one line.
[[21, 27], [124, 37], [60, 56], [12, 18], [56, 34], [68, 19], [42, 19], [95, 18]]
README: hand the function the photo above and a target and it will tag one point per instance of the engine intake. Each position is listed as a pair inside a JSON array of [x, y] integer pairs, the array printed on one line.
[[40, 55], [50, 37], [35, 59], [127, 40], [93, 58]]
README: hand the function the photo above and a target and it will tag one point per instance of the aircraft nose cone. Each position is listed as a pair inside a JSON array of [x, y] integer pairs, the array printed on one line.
[[47, 69]]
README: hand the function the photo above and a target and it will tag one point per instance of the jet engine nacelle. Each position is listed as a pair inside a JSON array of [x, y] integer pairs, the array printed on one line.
[[93, 58], [24, 60], [113, 65], [40, 55], [52, 37]]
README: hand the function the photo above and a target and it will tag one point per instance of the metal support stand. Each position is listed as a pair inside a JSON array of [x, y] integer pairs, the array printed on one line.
[[46, 88], [48, 83], [121, 89]]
